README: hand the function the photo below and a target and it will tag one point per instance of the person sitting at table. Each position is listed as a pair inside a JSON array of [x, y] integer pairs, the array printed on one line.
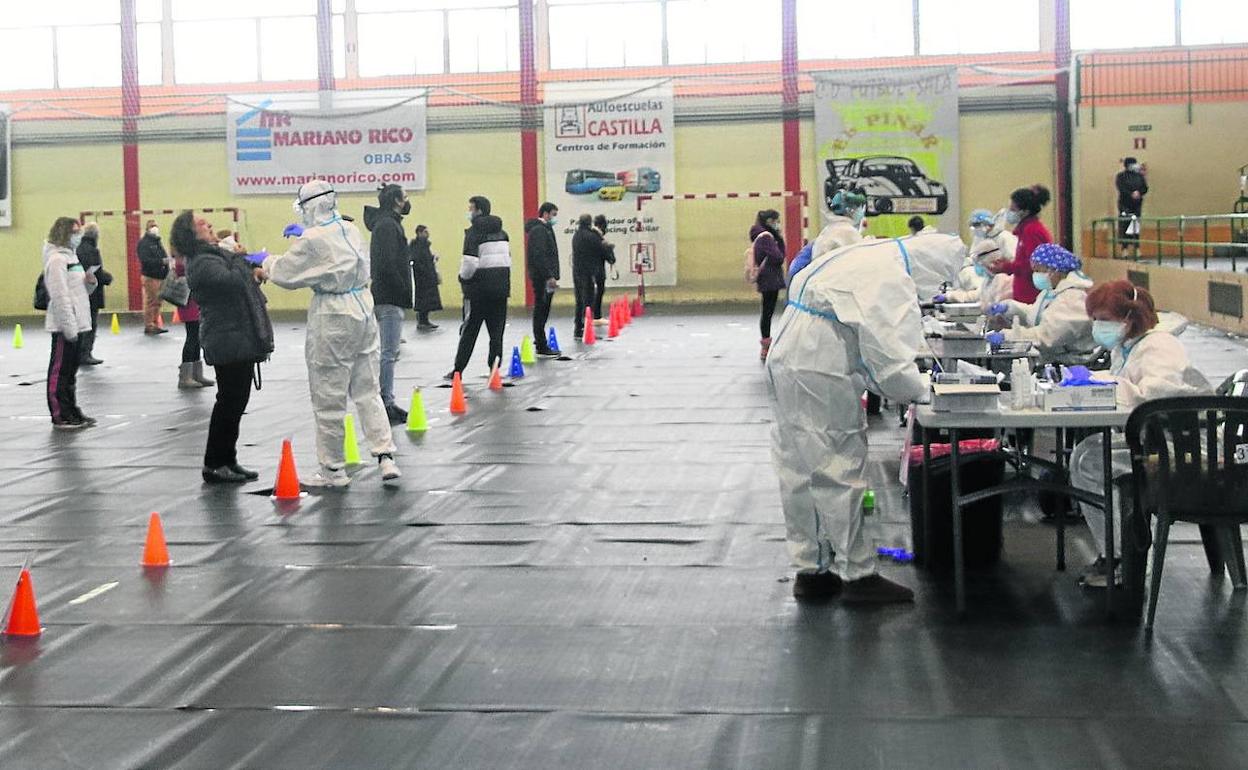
[[1056, 322], [992, 287], [1146, 363]]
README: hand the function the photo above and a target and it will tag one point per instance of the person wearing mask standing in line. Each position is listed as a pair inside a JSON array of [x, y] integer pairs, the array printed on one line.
[[1024, 215], [769, 266], [68, 318], [485, 274], [425, 279], [542, 257], [588, 255], [154, 267], [89, 257], [391, 271], [191, 370], [1132, 187], [600, 276]]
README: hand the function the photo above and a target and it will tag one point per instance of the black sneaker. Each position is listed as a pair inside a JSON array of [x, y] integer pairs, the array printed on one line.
[[74, 424], [247, 473], [547, 352], [397, 415], [875, 589], [90, 422], [223, 475], [90, 360], [426, 327], [449, 375], [812, 586]]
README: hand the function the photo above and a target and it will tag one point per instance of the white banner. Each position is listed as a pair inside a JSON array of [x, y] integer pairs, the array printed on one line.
[[894, 134], [6, 166], [355, 140], [607, 142]]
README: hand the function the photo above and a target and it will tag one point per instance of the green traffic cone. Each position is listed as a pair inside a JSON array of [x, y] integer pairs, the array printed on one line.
[[416, 421], [528, 354], [17, 336], [350, 448]]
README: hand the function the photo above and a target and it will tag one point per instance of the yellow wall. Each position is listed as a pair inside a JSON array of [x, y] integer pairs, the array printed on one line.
[[999, 151]]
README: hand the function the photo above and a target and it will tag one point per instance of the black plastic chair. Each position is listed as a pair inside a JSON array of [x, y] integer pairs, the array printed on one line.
[[1189, 459]]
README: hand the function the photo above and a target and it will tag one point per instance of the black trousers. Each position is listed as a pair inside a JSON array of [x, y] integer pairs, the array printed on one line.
[[541, 313], [583, 283], [63, 379], [769, 309], [493, 313], [190, 348], [600, 288], [86, 340], [233, 393]]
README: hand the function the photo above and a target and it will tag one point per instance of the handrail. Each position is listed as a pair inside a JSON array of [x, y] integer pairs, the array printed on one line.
[[1236, 248]]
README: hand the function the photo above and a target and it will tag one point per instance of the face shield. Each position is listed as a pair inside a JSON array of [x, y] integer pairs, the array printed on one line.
[[317, 203]]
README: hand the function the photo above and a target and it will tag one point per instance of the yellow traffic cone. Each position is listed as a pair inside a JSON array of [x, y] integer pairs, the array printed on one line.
[[17, 336], [416, 420], [528, 353], [116, 327], [350, 448]]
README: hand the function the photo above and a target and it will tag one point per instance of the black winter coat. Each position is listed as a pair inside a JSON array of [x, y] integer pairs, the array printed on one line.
[[486, 246], [89, 256], [428, 297], [542, 251], [234, 325], [387, 256], [152, 257], [589, 251]]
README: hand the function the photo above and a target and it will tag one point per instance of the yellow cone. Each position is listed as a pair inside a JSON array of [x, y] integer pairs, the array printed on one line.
[[116, 327], [17, 336], [528, 355], [416, 421], [350, 449]]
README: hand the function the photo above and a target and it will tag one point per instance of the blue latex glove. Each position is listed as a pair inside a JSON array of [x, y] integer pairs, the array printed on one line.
[[998, 308], [258, 258], [995, 339], [293, 229], [939, 298], [1078, 375]]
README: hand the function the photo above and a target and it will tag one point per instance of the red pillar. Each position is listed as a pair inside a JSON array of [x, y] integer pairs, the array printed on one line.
[[792, 139], [1064, 158], [130, 147], [530, 117]]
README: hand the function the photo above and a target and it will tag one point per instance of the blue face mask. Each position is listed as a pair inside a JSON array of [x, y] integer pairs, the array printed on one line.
[[981, 271], [1013, 216], [75, 240], [1109, 334], [1041, 281]]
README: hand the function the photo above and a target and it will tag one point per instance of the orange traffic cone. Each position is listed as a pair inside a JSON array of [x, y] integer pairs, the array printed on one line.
[[287, 485], [628, 314], [160, 320], [613, 322], [639, 309], [459, 405], [589, 338], [177, 317], [496, 379], [155, 552], [23, 614]]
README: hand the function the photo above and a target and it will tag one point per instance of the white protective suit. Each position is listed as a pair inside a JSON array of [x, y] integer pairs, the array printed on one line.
[[839, 231], [1057, 322], [851, 322], [935, 259], [990, 288], [1154, 365], [342, 346]]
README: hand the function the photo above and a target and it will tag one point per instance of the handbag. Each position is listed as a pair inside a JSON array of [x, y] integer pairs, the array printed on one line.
[[175, 290], [1133, 227], [41, 294]]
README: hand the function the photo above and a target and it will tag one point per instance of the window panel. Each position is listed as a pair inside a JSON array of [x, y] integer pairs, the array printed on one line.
[[215, 52], [484, 40], [714, 31], [855, 30], [151, 68], [1121, 23], [606, 35], [338, 29], [1209, 22], [954, 26], [61, 12], [369, 6], [288, 48], [89, 56], [400, 44], [241, 9], [149, 10], [25, 58]]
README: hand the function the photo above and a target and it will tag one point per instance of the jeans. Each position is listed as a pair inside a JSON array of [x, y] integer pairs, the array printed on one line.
[[190, 348], [390, 327], [233, 393], [541, 313], [493, 313], [63, 379], [151, 302]]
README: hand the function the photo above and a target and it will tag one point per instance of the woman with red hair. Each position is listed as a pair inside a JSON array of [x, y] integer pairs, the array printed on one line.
[[1147, 363]]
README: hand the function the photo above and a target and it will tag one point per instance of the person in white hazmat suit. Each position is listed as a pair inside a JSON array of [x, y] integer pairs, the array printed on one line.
[[1056, 322], [992, 288], [852, 322], [1147, 363], [935, 259], [342, 347], [984, 225], [843, 228]]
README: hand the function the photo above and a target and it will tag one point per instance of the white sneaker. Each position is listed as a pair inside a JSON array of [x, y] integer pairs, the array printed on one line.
[[328, 477], [389, 468]]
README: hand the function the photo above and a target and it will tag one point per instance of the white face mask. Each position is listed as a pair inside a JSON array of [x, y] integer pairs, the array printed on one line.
[[154, 232], [75, 240]]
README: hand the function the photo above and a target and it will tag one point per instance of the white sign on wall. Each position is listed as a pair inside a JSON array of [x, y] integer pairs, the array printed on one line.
[[607, 142], [355, 140]]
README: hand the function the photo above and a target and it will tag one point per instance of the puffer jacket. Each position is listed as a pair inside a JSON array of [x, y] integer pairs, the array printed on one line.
[[389, 265], [485, 271], [153, 259], [234, 327], [69, 306], [543, 251], [769, 257]]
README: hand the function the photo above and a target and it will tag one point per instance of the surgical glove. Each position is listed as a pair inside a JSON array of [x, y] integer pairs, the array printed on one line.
[[293, 229], [939, 298], [257, 259], [995, 339], [1079, 375], [998, 308]]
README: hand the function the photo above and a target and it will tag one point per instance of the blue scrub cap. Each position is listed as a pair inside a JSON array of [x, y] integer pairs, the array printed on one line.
[[1055, 257]]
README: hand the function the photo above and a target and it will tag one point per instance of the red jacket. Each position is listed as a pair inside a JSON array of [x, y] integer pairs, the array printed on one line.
[[1031, 232]]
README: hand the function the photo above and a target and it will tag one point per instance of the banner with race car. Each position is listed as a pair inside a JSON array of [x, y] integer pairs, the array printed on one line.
[[893, 134], [607, 143], [355, 140]]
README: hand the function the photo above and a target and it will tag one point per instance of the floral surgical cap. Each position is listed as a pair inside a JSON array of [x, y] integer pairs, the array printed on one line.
[[1056, 258]]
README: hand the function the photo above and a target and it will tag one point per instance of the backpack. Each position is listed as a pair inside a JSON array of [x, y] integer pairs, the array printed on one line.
[[751, 266], [41, 294]]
